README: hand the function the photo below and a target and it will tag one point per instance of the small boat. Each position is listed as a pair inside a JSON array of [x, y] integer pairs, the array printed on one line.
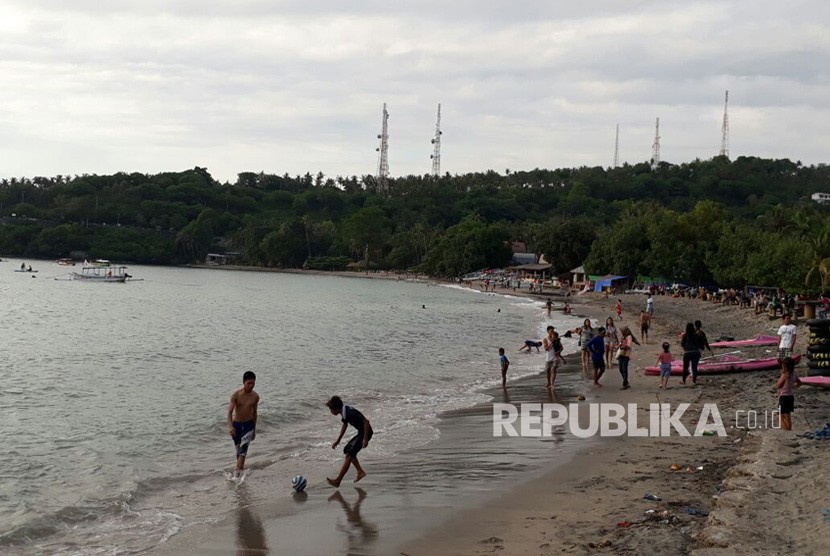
[[26, 270], [759, 340], [723, 365], [102, 274], [66, 262], [98, 263]]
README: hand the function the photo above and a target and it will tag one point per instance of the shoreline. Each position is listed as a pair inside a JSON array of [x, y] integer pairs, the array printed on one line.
[[595, 501]]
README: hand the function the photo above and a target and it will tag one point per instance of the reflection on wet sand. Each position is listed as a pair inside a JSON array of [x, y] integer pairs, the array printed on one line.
[[250, 534], [359, 533]]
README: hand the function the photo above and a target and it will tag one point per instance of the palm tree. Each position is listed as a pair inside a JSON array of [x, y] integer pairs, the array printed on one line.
[[820, 258]]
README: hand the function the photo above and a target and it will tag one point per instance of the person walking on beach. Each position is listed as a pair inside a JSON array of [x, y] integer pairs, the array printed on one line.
[[242, 415], [788, 333], [645, 320], [787, 383], [626, 347], [350, 416], [596, 347], [612, 341], [664, 359], [530, 344], [549, 306], [691, 352], [505, 364], [650, 305], [585, 334], [618, 309], [551, 363], [702, 340]]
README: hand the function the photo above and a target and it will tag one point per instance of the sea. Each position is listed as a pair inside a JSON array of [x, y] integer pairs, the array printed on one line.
[[114, 397]]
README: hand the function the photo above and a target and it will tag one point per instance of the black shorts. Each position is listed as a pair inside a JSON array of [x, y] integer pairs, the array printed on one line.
[[356, 444], [643, 328], [786, 403]]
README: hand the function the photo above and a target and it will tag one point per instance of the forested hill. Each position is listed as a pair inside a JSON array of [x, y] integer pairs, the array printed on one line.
[[732, 222]]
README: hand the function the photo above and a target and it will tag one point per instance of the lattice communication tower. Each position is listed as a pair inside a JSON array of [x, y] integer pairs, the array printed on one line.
[[724, 145], [383, 153], [436, 146], [655, 147]]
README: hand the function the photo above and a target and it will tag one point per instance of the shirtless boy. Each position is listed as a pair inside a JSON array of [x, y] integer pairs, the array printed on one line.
[[242, 418]]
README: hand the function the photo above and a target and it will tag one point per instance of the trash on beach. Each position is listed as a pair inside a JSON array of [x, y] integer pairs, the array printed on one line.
[[650, 511], [675, 467], [695, 511], [624, 524], [700, 468], [708, 433], [652, 497], [580, 398]]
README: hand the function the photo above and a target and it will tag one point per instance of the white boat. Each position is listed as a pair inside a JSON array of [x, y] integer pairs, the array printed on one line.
[[102, 274]]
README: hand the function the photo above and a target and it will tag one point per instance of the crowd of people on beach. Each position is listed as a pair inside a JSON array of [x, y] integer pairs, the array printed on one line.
[[602, 346]]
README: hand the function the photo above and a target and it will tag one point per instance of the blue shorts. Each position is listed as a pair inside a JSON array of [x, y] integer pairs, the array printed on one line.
[[242, 436], [665, 370]]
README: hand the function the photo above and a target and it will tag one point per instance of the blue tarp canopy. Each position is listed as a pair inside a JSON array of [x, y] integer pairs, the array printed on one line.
[[606, 282]]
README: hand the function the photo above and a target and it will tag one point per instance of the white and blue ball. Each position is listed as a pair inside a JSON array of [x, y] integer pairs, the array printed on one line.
[[299, 483]]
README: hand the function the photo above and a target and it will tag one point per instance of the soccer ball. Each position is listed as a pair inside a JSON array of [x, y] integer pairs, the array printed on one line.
[[299, 483]]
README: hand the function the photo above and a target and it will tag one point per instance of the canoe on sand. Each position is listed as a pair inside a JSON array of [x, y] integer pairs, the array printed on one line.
[[724, 365], [816, 381], [759, 340]]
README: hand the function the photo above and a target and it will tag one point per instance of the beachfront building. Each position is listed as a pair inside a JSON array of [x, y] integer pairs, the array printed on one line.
[[821, 198], [578, 275]]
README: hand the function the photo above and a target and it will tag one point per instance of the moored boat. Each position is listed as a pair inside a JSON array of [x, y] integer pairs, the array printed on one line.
[[66, 262], [724, 365], [102, 274]]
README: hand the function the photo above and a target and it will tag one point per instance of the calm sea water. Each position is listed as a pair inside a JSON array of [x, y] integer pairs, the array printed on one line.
[[114, 396]]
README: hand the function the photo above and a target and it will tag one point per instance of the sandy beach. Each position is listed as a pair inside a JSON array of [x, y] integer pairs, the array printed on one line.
[[765, 490], [755, 490]]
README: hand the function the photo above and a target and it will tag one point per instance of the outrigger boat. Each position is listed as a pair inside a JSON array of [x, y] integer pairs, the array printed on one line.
[[723, 365], [102, 274]]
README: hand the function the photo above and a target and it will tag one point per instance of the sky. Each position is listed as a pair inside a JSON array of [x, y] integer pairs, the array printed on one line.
[[298, 86]]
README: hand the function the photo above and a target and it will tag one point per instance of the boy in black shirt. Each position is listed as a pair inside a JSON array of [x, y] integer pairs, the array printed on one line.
[[350, 416]]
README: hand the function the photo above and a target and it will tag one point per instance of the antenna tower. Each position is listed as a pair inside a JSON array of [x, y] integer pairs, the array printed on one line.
[[655, 148], [617, 148], [383, 156], [436, 146], [724, 145]]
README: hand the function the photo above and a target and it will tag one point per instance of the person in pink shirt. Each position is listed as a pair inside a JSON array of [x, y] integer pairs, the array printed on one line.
[[664, 359]]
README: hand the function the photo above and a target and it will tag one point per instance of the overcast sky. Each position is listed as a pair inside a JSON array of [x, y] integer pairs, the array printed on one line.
[[92, 86]]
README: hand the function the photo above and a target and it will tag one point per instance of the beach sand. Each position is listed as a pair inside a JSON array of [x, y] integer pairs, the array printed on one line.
[[765, 489]]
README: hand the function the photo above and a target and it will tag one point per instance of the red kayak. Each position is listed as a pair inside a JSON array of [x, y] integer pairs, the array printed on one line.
[[725, 364], [759, 340]]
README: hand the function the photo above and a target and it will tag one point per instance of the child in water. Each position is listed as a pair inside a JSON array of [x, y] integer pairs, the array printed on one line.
[[505, 364]]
